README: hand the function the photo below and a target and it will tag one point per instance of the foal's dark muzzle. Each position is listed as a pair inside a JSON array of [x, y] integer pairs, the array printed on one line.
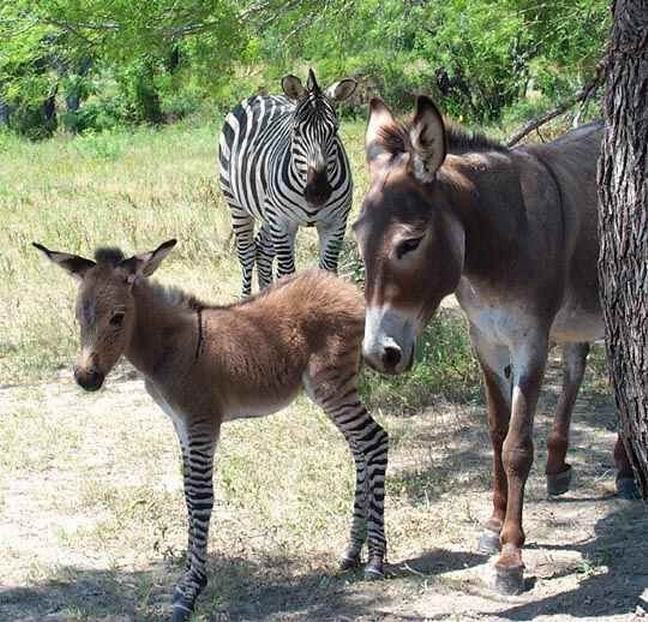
[[88, 379], [318, 189]]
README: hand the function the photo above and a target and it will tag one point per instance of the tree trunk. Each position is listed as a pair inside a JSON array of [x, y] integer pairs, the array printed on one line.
[[623, 226]]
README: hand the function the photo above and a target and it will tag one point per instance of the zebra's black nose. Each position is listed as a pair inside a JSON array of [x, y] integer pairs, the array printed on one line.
[[318, 189]]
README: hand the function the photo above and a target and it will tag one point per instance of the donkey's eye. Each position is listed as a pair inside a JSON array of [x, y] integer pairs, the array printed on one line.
[[407, 246], [117, 318]]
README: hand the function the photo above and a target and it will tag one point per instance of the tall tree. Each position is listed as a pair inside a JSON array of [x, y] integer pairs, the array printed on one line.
[[623, 223]]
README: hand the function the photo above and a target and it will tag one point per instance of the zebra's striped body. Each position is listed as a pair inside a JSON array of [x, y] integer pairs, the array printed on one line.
[[282, 164]]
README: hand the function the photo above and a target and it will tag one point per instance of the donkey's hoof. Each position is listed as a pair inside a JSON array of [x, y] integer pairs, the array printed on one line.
[[349, 562], [374, 570], [181, 611], [627, 488], [489, 542], [509, 580], [558, 483]]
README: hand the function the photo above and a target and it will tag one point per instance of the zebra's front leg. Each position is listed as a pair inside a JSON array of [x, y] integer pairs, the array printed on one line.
[[198, 465], [264, 255], [283, 240], [243, 226], [331, 236]]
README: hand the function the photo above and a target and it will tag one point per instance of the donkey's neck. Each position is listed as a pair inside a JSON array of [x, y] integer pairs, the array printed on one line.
[[487, 200], [166, 329]]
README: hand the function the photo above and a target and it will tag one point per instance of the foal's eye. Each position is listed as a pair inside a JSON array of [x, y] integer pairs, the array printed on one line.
[[117, 318], [407, 246]]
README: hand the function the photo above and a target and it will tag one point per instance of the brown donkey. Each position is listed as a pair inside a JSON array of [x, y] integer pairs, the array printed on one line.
[[204, 365], [513, 234]]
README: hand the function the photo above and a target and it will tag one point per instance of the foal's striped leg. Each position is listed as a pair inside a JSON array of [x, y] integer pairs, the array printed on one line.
[[368, 442], [198, 447]]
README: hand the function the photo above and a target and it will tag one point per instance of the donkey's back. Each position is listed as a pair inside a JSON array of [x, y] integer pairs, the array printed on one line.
[[572, 163]]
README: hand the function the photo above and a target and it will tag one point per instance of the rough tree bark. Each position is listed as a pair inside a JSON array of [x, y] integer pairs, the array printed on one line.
[[623, 226]]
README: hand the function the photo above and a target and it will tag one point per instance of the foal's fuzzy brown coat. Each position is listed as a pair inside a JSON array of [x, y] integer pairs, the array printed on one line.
[[207, 364]]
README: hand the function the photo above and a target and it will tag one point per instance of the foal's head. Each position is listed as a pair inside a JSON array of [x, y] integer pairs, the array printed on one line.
[[314, 131], [411, 242], [105, 307]]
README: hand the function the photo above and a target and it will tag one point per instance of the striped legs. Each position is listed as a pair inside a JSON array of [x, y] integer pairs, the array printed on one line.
[[331, 236], [283, 239], [368, 443], [264, 255], [243, 226], [197, 444]]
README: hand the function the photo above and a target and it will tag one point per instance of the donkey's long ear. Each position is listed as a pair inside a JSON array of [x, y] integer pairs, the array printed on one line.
[[339, 91], [72, 264], [147, 263], [427, 139], [292, 87], [381, 119]]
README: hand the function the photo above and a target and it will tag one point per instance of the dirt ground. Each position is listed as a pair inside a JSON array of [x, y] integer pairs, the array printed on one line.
[[586, 554]]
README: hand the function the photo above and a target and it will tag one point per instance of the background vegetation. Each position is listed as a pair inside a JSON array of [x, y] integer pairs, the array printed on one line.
[[86, 65]]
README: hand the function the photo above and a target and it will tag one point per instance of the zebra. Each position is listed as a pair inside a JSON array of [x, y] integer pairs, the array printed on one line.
[[281, 162]]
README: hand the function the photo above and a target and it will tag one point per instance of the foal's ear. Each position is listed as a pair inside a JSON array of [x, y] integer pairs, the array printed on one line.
[[339, 91], [147, 263], [427, 139], [73, 264], [292, 87]]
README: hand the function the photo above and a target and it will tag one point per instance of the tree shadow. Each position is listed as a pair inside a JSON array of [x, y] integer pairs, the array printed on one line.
[[621, 546], [237, 590]]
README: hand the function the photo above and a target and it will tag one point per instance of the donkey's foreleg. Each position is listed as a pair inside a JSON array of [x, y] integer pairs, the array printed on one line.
[[558, 472], [517, 456], [198, 443], [496, 369]]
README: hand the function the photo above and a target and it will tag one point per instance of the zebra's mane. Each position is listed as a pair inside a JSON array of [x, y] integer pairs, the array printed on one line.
[[395, 138]]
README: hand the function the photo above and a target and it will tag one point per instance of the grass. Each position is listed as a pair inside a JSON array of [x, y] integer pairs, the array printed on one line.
[[91, 507]]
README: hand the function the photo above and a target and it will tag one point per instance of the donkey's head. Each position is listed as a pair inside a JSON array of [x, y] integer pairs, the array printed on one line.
[[411, 242], [105, 306], [315, 126]]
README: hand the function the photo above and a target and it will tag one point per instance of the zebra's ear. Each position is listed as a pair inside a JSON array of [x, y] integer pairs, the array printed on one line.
[[339, 91], [427, 139], [292, 87]]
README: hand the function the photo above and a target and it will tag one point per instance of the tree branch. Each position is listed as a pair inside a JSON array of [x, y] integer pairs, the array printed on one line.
[[580, 96]]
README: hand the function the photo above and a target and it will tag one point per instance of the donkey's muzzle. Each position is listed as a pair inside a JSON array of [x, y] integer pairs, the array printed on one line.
[[318, 189], [88, 379]]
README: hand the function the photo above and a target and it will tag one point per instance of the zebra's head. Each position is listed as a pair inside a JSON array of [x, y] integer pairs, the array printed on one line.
[[314, 133]]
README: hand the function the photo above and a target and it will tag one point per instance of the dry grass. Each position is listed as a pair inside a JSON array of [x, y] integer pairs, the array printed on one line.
[[91, 509]]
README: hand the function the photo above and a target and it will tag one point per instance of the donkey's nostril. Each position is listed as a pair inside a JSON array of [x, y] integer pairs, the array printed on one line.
[[90, 380], [391, 357]]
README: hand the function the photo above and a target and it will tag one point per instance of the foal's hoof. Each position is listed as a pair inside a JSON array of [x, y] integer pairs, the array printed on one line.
[[558, 483], [489, 542], [509, 580], [181, 611], [627, 488], [349, 561], [374, 570]]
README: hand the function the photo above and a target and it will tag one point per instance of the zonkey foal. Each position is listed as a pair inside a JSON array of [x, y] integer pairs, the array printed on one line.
[[204, 365]]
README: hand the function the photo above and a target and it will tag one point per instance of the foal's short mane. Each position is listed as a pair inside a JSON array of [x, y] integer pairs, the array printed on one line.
[[395, 137], [108, 255]]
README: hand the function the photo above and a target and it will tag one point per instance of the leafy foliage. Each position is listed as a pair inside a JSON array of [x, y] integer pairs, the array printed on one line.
[[92, 64]]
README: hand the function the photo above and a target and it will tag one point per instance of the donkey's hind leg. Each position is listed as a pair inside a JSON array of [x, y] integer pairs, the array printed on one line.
[[334, 390], [265, 253], [558, 472]]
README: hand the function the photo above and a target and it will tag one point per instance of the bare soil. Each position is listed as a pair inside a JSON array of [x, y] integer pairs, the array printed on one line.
[[64, 556]]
